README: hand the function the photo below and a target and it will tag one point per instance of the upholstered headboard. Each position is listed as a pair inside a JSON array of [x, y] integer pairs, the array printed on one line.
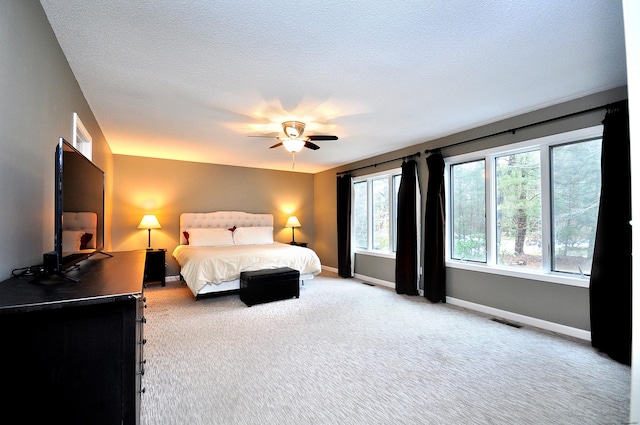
[[83, 221], [222, 220]]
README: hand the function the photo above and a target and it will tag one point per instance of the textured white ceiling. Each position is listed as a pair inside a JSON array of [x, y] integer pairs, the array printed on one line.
[[191, 80]]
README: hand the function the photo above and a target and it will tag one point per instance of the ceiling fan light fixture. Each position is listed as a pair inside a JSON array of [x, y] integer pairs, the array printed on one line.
[[293, 129], [293, 145]]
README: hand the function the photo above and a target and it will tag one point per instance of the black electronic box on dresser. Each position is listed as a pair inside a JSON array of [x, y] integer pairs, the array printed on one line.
[[72, 352]]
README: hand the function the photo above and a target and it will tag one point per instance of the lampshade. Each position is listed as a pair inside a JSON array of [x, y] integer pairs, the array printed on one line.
[[293, 222], [293, 145], [149, 222]]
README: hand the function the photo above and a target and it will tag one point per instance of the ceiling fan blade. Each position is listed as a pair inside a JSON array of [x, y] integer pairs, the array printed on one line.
[[311, 146], [321, 137], [276, 145]]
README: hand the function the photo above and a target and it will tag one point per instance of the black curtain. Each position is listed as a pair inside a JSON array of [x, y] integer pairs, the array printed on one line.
[[344, 225], [407, 231], [434, 270], [610, 284]]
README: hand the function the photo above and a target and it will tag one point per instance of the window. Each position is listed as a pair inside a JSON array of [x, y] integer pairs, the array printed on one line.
[[518, 209], [575, 196], [375, 207], [469, 226], [531, 207], [81, 137]]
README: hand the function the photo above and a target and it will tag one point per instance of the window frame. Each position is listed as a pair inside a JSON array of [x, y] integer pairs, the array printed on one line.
[[81, 138], [393, 211], [543, 144]]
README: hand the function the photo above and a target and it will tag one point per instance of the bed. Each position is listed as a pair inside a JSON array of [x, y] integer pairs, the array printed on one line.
[[215, 247]]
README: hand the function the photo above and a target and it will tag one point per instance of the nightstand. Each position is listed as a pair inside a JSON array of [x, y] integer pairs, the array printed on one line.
[[154, 266], [303, 244]]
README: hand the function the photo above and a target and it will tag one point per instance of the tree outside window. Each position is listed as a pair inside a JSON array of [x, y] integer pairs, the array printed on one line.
[[519, 214], [575, 203], [532, 206], [375, 205], [469, 225]]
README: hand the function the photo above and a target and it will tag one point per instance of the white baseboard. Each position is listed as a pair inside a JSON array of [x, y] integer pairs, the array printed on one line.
[[375, 281], [330, 269], [525, 320], [364, 278]]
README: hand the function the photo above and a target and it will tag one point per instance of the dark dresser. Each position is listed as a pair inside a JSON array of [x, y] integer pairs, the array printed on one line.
[[72, 352]]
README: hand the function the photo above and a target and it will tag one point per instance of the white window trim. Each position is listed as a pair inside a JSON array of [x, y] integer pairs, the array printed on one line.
[[82, 140], [544, 275], [372, 176]]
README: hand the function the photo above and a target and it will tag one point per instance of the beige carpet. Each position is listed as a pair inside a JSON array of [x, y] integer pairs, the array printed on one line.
[[350, 353]]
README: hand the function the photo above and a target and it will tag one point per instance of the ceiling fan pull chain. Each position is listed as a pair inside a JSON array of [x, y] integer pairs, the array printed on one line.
[[293, 160]]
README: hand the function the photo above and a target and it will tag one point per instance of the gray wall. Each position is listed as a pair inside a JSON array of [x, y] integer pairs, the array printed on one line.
[[38, 97], [556, 303]]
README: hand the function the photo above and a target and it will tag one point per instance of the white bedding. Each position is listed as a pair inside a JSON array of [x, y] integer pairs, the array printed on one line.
[[201, 265]]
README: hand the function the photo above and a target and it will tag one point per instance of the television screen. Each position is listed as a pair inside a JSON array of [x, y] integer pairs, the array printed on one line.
[[79, 209]]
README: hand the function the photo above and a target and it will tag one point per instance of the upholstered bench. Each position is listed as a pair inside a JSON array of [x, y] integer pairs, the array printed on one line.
[[263, 286]]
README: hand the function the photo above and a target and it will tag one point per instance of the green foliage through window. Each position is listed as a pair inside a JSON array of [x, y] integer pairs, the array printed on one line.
[[534, 207], [375, 203], [469, 225]]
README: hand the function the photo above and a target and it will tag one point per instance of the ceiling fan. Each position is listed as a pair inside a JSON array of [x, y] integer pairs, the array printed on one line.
[[293, 141]]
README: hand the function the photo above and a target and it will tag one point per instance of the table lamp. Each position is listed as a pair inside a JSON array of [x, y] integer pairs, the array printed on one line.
[[149, 222], [293, 222]]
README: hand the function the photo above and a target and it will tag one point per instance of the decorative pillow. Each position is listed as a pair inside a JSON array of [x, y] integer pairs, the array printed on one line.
[[253, 235], [186, 236], [85, 239], [210, 237], [71, 240]]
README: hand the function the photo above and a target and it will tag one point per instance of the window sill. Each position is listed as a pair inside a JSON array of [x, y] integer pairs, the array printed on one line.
[[560, 278], [382, 254]]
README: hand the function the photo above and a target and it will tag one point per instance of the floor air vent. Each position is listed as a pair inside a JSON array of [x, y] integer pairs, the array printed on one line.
[[504, 322]]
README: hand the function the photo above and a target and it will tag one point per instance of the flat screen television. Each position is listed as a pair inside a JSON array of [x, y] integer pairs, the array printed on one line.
[[79, 210]]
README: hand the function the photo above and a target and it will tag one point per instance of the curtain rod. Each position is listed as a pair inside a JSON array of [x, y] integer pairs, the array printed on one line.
[[513, 130], [379, 163]]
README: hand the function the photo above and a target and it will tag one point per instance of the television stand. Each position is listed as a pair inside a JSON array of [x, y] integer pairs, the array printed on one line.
[[103, 253], [40, 278], [75, 259]]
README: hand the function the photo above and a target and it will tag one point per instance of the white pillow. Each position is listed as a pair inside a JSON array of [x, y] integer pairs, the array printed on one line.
[[71, 240], [253, 235], [210, 237]]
